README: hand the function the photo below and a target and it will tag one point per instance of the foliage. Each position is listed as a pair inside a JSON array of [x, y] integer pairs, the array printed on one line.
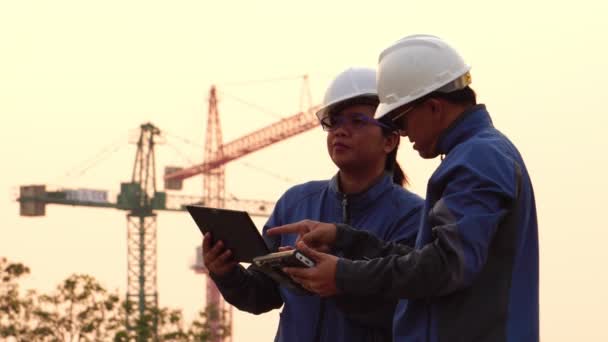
[[80, 309]]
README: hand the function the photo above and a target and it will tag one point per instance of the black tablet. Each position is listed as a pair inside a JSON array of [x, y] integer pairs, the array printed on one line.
[[234, 228]]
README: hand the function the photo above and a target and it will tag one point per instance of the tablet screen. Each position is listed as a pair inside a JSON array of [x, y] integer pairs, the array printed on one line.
[[234, 228]]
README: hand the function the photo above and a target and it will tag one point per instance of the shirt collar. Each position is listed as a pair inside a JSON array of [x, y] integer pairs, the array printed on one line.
[[366, 197], [465, 126]]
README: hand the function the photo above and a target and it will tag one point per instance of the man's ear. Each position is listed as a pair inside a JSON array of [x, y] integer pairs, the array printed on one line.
[[436, 107]]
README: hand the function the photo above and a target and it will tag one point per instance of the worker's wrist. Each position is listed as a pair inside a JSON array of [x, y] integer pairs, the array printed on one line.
[[342, 239], [229, 278]]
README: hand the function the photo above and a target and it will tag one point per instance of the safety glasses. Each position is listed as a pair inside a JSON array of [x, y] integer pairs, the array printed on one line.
[[355, 121], [400, 120]]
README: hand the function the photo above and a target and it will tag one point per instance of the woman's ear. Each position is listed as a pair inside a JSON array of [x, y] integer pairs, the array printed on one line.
[[390, 142]]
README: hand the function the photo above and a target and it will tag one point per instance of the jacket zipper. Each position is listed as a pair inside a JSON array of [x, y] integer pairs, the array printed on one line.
[[345, 212], [345, 220]]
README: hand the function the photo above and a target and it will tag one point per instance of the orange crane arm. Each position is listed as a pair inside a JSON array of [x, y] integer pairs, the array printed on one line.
[[257, 140]]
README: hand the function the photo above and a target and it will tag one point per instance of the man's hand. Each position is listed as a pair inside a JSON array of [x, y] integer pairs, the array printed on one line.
[[320, 279], [318, 235], [218, 259]]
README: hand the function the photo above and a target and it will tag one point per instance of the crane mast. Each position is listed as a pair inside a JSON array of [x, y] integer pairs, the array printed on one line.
[[141, 199]]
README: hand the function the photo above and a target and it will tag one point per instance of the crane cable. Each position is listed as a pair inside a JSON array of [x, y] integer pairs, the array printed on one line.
[[267, 80], [82, 168], [264, 110], [256, 82], [180, 153], [254, 167]]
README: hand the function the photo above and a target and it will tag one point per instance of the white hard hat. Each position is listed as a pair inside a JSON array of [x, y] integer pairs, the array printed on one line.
[[349, 84], [416, 66]]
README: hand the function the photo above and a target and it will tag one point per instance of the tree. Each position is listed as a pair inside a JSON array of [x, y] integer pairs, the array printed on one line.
[[171, 326], [202, 329], [169, 322], [80, 309], [16, 312]]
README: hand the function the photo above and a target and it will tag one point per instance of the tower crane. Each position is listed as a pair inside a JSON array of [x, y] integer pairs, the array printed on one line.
[[141, 199], [217, 154]]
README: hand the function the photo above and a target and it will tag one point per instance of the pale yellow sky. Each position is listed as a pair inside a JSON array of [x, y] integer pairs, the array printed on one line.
[[79, 76]]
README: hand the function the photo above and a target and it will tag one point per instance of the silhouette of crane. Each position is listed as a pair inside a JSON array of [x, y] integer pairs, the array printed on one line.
[[141, 199], [217, 155]]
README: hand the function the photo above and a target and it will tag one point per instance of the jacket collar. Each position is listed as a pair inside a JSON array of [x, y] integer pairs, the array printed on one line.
[[469, 123], [366, 197]]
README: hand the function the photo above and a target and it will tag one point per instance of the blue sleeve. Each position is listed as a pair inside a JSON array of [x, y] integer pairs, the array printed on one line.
[[406, 227], [276, 219], [250, 289], [477, 195]]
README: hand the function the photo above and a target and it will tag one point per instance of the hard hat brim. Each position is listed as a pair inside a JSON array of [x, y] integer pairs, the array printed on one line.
[[324, 111], [456, 84], [384, 110]]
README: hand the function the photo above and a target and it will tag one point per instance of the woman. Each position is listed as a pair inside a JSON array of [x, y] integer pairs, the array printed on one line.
[[367, 187]]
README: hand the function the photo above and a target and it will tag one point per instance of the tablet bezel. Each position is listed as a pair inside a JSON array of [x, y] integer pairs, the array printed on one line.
[[235, 228]]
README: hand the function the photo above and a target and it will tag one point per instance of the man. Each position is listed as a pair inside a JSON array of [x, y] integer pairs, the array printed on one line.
[[473, 274]]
